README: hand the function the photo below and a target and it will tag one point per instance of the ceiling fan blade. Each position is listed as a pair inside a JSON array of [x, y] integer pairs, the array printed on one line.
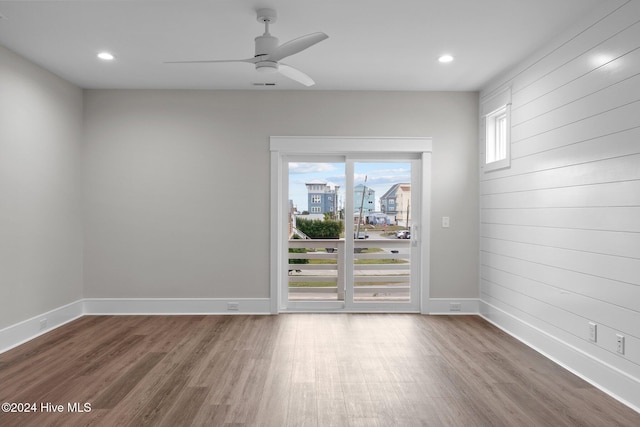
[[249, 60], [295, 74], [296, 45]]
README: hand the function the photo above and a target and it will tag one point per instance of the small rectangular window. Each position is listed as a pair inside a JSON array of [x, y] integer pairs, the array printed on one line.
[[496, 136], [497, 131]]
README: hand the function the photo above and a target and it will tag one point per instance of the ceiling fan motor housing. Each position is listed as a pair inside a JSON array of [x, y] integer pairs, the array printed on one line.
[[266, 44]]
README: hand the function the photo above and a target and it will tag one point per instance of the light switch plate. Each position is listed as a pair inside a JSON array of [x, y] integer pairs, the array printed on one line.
[[593, 332], [620, 343]]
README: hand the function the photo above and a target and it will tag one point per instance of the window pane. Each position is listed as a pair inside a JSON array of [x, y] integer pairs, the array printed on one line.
[[496, 136], [316, 193], [501, 137], [382, 239]]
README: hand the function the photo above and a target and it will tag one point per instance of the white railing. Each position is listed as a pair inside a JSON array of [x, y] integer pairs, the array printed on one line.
[[390, 280]]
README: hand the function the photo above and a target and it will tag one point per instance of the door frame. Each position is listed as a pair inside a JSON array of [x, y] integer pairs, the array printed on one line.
[[282, 147]]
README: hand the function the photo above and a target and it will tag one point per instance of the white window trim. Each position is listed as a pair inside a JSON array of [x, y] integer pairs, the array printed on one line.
[[289, 146], [492, 108]]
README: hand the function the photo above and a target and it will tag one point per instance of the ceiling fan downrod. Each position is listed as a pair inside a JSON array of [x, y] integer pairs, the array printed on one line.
[[266, 43]]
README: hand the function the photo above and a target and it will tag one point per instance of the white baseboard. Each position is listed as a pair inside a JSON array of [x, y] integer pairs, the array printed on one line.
[[176, 306], [26, 330], [14, 335], [616, 383], [450, 306]]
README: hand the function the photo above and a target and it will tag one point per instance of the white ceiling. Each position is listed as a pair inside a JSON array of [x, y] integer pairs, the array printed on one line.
[[372, 45]]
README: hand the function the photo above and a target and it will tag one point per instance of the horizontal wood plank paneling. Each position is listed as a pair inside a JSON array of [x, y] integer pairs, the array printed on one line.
[[601, 265], [624, 117], [613, 72], [607, 219], [582, 60], [574, 43], [560, 228], [611, 98], [564, 302], [600, 242], [607, 290], [617, 169], [612, 146], [625, 193]]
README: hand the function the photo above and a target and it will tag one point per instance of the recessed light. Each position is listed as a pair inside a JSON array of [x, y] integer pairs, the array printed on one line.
[[445, 58], [106, 56]]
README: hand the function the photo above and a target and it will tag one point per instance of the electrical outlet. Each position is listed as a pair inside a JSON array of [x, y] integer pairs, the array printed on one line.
[[455, 306], [593, 332], [620, 343], [43, 324], [446, 222], [233, 306]]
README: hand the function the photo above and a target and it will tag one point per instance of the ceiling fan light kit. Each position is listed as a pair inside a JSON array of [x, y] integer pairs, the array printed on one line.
[[268, 52], [266, 67]]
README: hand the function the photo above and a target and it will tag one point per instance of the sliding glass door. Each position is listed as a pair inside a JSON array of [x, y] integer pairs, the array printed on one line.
[[349, 228], [315, 248], [382, 255], [351, 241]]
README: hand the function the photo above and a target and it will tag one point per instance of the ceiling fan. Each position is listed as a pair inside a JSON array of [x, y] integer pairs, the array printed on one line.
[[269, 53]]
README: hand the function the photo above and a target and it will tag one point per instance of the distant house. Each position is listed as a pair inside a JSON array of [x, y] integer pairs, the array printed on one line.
[[379, 218], [366, 197], [321, 198], [396, 203]]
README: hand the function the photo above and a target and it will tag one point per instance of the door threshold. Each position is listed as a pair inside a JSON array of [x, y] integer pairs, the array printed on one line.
[[342, 307]]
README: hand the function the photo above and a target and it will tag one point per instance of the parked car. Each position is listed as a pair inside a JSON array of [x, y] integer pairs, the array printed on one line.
[[403, 234], [361, 235]]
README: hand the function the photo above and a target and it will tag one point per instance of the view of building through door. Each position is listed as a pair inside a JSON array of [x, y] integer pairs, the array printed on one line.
[[350, 232], [381, 258], [316, 231]]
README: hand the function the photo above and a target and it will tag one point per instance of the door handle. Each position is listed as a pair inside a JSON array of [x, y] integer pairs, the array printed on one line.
[[415, 232]]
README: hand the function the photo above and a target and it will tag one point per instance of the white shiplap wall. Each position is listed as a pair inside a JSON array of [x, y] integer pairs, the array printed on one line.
[[560, 228]]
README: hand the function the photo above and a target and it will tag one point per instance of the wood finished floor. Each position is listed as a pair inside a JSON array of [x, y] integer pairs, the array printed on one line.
[[296, 370]]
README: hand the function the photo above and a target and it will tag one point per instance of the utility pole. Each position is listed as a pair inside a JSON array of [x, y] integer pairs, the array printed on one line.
[[364, 188]]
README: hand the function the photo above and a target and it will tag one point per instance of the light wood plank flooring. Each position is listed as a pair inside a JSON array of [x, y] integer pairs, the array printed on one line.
[[295, 370]]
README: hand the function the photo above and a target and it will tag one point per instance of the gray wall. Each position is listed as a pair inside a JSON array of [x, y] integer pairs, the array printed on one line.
[[169, 176], [40, 224], [560, 229]]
